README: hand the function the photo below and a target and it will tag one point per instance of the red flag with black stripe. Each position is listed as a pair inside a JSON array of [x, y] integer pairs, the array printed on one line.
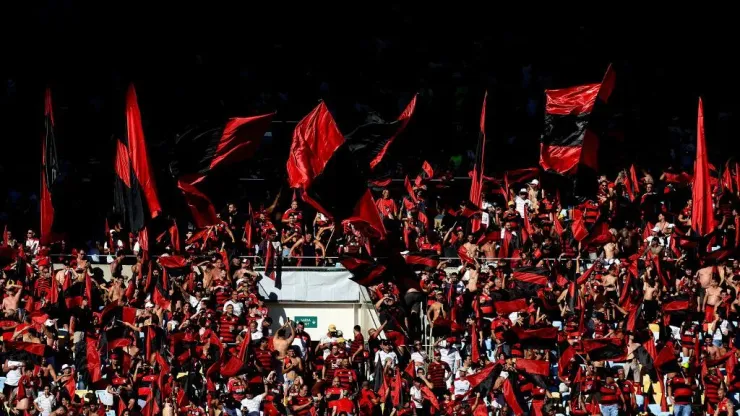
[[49, 169], [476, 183], [365, 271], [136, 197], [613, 349], [422, 260], [535, 275], [334, 171], [570, 142], [215, 145], [533, 366]]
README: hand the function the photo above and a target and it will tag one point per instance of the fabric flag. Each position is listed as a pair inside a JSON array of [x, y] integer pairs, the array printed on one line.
[[215, 145], [476, 183], [423, 260], [508, 307], [533, 366], [427, 168], [201, 207], [727, 181], [601, 349], [570, 142], [332, 171], [511, 399], [136, 197], [394, 130], [702, 218], [365, 271], [274, 265], [315, 139], [535, 275], [49, 169]]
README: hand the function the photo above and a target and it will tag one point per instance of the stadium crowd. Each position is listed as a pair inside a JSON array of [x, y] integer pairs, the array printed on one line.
[[525, 306]]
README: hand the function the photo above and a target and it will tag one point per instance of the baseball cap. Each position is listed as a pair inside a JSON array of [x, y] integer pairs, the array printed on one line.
[[535, 182], [332, 328]]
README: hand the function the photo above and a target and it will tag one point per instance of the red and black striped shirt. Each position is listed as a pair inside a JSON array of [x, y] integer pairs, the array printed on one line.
[[264, 357], [681, 388], [711, 385], [609, 394], [436, 374]]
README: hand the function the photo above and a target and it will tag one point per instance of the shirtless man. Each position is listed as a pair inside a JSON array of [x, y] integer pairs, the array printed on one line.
[[471, 248], [292, 368], [711, 299], [704, 275], [611, 249], [436, 310], [610, 281], [10, 303], [489, 250], [115, 292], [280, 342]]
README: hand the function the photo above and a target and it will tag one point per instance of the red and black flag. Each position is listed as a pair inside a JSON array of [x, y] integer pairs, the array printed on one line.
[[570, 142], [534, 275], [511, 306], [533, 366], [334, 172], [384, 144], [423, 260], [476, 183], [136, 197], [201, 208], [274, 264], [365, 270], [702, 212], [87, 359], [116, 337], [49, 169], [211, 146], [75, 294], [601, 349]]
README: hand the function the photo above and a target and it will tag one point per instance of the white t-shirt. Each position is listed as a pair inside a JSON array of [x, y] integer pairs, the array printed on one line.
[[46, 403], [461, 387], [417, 357], [450, 355], [11, 379], [521, 203], [381, 356], [238, 307], [327, 340], [253, 406], [416, 397]]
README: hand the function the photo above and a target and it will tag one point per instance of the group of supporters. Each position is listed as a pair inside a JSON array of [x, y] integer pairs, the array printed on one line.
[[520, 306]]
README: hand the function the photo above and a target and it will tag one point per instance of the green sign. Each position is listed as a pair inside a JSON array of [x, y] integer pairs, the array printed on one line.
[[308, 321]]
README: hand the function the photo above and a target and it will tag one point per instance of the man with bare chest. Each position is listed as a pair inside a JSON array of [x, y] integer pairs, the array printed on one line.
[[712, 299], [436, 310], [471, 248], [282, 341]]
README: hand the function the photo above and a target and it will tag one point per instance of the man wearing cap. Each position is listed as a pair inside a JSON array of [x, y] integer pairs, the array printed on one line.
[[327, 341], [522, 202], [533, 189]]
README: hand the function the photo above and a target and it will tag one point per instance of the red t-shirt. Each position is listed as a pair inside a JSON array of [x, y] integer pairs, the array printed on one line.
[[343, 405], [300, 401]]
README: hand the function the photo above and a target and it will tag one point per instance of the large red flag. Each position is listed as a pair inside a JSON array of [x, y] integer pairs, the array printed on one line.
[[476, 183], [48, 171], [702, 218], [139, 156], [201, 207], [315, 139]]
